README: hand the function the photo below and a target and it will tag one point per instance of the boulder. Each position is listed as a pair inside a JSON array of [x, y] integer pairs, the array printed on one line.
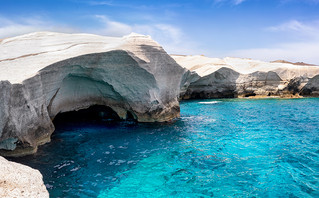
[[237, 77], [311, 88], [43, 74], [17, 180]]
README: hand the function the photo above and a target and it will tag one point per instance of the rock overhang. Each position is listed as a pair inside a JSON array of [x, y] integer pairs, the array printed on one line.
[[132, 74]]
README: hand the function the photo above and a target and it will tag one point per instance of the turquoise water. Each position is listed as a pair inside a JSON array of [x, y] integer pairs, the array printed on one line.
[[221, 148]]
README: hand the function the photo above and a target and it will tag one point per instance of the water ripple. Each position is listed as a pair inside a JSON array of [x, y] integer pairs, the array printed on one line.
[[238, 148]]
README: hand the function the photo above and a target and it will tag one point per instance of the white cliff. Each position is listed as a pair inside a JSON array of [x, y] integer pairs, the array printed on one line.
[[43, 74], [237, 77], [17, 180]]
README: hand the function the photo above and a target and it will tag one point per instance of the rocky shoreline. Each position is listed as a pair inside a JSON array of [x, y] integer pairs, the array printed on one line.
[[17, 180], [240, 78], [132, 76]]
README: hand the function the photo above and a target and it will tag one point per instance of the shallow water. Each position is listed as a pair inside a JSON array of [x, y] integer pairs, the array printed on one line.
[[220, 148]]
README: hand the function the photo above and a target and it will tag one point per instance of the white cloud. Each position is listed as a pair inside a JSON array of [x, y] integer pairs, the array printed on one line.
[[295, 52], [108, 3], [170, 37], [237, 2], [161, 32], [113, 28], [233, 2], [297, 27], [9, 28], [306, 50], [301, 1]]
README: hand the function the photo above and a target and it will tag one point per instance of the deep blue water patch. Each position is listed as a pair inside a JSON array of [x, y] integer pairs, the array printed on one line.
[[219, 148]]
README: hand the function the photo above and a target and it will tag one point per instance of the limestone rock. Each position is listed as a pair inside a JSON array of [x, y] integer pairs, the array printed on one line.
[[237, 77], [17, 180], [43, 74]]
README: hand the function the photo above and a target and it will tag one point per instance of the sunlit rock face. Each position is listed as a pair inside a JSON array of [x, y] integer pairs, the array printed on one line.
[[44, 74], [17, 180], [236, 77]]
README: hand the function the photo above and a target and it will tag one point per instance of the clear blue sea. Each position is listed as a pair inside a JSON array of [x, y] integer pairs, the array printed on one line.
[[220, 148]]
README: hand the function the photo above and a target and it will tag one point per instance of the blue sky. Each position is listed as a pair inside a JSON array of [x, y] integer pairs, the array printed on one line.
[[260, 29]]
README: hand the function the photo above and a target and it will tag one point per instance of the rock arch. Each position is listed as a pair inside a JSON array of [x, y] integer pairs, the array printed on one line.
[[136, 79]]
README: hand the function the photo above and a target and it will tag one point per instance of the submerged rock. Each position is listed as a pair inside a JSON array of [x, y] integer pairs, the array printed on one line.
[[44, 74], [236, 77], [17, 180]]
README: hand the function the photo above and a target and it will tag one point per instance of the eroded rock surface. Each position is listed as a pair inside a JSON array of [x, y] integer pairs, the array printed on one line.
[[17, 180], [236, 77], [43, 74]]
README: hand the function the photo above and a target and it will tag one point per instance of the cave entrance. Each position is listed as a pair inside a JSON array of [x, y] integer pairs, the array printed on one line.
[[249, 95], [95, 113]]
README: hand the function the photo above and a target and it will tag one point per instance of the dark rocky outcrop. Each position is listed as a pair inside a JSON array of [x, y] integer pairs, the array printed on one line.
[[311, 88]]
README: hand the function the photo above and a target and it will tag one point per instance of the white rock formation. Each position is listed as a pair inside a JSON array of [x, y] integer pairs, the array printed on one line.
[[236, 77], [17, 180], [43, 74]]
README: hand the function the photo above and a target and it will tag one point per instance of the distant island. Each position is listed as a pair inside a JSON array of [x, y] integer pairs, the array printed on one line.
[[296, 63]]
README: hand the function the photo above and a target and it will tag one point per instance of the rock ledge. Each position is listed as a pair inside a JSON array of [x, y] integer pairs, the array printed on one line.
[[17, 180], [43, 74]]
